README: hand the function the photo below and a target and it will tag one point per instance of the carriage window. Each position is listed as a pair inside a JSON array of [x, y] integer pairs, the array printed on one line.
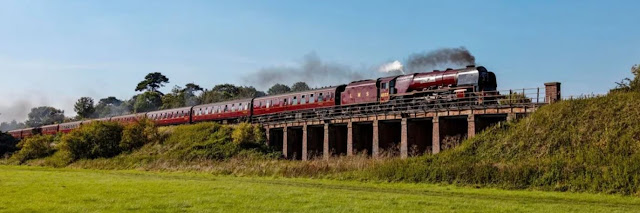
[[295, 100], [384, 86], [268, 103], [285, 102], [240, 107], [303, 100], [246, 106], [320, 97], [311, 99], [226, 108]]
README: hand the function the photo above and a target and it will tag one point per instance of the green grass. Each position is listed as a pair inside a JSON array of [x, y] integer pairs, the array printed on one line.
[[29, 189]]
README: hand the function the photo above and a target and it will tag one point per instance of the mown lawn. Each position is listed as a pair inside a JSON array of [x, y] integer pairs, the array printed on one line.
[[28, 189]]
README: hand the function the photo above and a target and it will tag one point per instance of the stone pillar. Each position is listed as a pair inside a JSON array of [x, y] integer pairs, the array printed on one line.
[[350, 138], [267, 132], [375, 147], [305, 149], [285, 151], [471, 126], [404, 149], [435, 147], [552, 92], [325, 148]]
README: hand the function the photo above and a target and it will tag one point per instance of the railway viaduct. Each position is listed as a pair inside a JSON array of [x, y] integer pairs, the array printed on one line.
[[404, 131]]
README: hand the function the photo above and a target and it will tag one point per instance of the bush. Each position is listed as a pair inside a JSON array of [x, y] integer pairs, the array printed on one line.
[[136, 135], [8, 144], [94, 140], [245, 134], [34, 147]]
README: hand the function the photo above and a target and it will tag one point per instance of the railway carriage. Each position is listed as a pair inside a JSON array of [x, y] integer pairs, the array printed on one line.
[[171, 116], [311, 99], [223, 111], [68, 127], [126, 119], [28, 132], [50, 129], [17, 134]]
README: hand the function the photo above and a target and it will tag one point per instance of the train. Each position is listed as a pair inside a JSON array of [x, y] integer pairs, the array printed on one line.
[[471, 81]]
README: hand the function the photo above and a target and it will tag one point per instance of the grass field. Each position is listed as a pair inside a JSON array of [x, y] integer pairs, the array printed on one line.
[[28, 189]]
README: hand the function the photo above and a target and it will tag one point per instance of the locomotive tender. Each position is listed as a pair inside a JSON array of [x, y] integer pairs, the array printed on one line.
[[460, 83]]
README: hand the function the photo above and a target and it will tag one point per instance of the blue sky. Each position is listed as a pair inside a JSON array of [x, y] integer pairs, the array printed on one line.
[[53, 52]]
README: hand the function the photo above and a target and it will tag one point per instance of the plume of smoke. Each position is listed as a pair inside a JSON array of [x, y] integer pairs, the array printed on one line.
[[316, 72], [392, 68], [16, 111], [439, 59], [312, 70]]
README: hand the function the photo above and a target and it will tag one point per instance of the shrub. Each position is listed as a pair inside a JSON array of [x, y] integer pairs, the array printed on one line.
[[94, 140], [245, 134], [34, 147], [8, 144], [138, 134]]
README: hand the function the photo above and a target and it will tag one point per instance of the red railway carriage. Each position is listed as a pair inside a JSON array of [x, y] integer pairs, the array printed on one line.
[[28, 132], [318, 98], [97, 119], [359, 92], [125, 119], [50, 129], [229, 110], [171, 116], [16, 133], [68, 127]]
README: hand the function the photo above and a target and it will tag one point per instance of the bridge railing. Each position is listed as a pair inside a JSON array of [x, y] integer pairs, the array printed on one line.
[[527, 97]]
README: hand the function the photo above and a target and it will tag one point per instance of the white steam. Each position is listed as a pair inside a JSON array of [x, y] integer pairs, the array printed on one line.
[[394, 66]]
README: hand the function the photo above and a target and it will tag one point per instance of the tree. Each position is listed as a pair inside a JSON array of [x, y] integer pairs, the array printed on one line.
[[279, 89], [84, 107], [191, 87], [174, 99], [628, 84], [147, 101], [180, 97], [225, 92], [152, 82], [44, 115], [8, 126], [299, 87], [188, 94], [111, 106]]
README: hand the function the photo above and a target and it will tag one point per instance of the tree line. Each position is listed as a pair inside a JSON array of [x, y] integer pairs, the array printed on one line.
[[148, 98]]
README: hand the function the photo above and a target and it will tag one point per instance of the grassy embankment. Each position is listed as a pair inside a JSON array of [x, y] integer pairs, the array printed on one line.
[[575, 145], [76, 190], [590, 145]]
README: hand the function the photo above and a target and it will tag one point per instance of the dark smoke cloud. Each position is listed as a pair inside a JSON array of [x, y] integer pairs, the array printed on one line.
[[312, 70], [439, 59], [316, 72]]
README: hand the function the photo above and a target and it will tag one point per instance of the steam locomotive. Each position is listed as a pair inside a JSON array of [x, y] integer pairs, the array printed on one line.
[[455, 84]]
